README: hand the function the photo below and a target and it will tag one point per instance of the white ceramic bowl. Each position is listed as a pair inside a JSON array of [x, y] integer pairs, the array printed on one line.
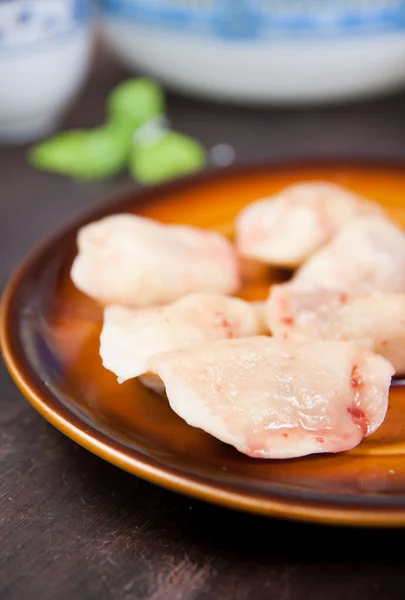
[[45, 51], [263, 51]]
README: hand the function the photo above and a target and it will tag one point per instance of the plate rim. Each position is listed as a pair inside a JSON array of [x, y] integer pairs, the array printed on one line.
[[131, 460]]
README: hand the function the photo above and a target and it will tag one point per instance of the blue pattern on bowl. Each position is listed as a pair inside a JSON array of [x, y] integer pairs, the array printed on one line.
[[261, 19], [25, 22]]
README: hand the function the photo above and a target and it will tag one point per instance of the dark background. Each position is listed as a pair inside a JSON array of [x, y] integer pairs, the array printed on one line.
[[73, 526]]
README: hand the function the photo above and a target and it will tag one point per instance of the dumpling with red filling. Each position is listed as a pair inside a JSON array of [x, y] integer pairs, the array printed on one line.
[[131, 336], [335, 315], [275, 399]]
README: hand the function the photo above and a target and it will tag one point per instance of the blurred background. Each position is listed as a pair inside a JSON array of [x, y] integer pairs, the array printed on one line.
[[266, 53], [244, 80], [271, 54]]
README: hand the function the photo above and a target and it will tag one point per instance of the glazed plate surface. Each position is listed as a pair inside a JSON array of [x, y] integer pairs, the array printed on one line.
[[50, 336]]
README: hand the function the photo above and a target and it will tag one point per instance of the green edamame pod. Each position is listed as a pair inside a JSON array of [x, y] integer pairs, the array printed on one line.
[[134, 102], [172, 155], [94, 154]]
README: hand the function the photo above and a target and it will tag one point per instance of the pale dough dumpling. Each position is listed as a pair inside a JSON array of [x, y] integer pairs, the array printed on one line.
[[287, 228], [131, 336], [274, 399], [129, 260], [368, 254], [329, 314]]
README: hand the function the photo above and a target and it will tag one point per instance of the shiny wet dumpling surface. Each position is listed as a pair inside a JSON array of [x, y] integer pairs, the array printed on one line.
[[133, 261], [287, 228], [321, 313], [275, 399], [131, 336]]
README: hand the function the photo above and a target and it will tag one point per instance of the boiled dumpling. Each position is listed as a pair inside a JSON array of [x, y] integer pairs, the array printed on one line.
[[287, 228], [331, 314], [275, 399], [368, 254], [131, 336], [133, 261]]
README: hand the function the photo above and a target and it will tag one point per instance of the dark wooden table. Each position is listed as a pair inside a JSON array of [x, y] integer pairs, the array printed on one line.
[[73, 527]]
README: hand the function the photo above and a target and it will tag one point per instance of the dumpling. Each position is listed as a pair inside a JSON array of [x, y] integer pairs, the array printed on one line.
[[368, 254], [330, 314], [129, 260], [131, 336], [275, 399], [287, 228]]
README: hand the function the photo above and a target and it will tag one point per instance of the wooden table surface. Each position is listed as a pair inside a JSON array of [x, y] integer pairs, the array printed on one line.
[[73, 527]]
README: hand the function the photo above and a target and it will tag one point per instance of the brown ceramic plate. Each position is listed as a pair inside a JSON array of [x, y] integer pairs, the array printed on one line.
[[50, 333]]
